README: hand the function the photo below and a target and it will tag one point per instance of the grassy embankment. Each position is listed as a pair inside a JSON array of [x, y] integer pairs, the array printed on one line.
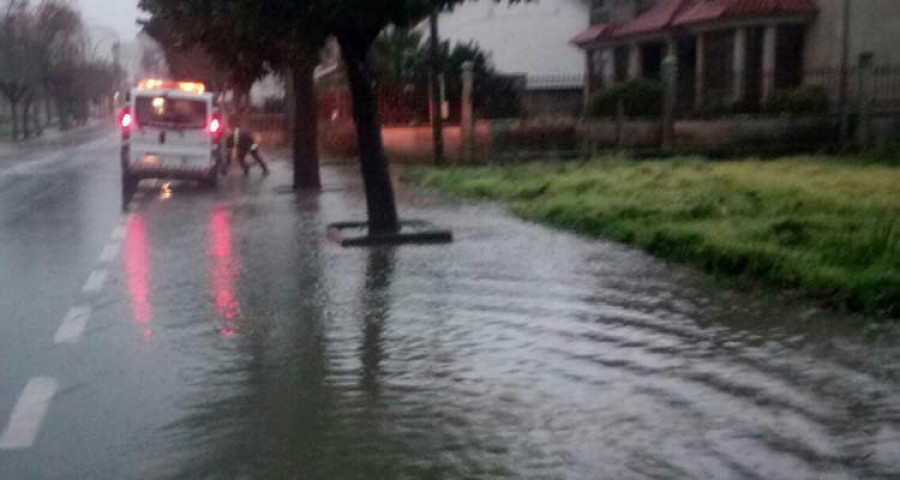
[[828, 228]]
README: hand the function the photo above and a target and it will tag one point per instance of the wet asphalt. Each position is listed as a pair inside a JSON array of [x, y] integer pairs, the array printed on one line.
[[224, 337]]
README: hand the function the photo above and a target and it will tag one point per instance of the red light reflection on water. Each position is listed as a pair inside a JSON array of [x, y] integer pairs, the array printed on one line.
[[225, 270], [137, 272]]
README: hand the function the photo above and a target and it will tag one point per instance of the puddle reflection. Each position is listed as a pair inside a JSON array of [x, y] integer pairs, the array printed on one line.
[[137, 272], [225, 270], [376, 310]]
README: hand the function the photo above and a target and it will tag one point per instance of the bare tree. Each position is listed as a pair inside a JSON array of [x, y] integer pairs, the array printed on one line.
[[63, 48], [19, 68]]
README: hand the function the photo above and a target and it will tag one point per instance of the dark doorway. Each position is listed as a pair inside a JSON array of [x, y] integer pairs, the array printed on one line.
[[789, 56], [686, 50], [621, 64], [753, 73], [719, 56], [651, 60]]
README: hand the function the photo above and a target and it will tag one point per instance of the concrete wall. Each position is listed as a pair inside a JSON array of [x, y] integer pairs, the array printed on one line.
[[530, 37], [403, 144], [505, 138], [874, 27], [567, 103]]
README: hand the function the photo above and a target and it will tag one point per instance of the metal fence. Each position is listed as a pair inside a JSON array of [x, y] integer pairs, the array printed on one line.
[[811, 91], [540, 114], [552, 96], [403, 104]]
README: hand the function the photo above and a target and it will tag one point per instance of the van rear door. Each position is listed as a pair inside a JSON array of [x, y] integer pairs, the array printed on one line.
[[172, 126]]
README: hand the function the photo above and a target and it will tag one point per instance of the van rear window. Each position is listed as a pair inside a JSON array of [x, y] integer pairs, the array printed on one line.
[[170, 112]]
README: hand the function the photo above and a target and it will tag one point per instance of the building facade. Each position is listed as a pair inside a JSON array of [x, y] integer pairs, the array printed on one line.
[[528, 38], [738, 52]]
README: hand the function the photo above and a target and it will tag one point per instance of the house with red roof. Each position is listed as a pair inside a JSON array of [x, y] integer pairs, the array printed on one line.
[[737, 52]]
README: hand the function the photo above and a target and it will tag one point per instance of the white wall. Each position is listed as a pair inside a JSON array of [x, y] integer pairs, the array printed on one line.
[[531, 38], [270, 86], [874, 27]]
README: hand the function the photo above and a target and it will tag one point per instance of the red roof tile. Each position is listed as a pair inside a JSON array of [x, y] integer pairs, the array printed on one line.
[[710, 11], [672, 13], [658, 18], [594, 33]]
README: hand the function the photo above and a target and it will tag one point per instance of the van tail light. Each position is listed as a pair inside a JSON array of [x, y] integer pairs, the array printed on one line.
[[215, 127], [126, 121]]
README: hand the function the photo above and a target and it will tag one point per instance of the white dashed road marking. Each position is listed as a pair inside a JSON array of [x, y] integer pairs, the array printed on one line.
[[28, 414], [119, 233], [110, 252], [73, 325], [95, 282]]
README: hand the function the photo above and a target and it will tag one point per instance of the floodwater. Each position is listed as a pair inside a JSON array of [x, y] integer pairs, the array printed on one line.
[[233, 341], [522, 352]]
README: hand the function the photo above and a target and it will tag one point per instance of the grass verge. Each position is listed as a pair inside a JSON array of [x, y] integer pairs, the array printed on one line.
[[827, 227]]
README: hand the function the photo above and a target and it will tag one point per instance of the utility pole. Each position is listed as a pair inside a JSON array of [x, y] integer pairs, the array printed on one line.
[[845, 53], [437, 110], [670, 78], [843, 95], [117, 64]]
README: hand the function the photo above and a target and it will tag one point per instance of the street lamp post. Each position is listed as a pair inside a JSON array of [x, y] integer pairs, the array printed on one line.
[[843, 94]]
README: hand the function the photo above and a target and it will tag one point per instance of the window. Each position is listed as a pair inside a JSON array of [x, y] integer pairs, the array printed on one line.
[[621, 64], [170, 112], [600, 12], [644, 5]]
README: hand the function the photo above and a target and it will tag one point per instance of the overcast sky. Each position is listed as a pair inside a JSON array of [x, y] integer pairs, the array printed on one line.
[[117, 14]]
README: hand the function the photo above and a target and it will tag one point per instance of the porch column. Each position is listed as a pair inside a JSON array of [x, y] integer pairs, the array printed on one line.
[[770, 36], [590, 80], [634, 61], [590, 74], [739, 69], [700, 73], [609, 66]]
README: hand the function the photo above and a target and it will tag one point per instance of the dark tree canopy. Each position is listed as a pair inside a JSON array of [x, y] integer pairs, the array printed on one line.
[[290, 33], [248, 39]]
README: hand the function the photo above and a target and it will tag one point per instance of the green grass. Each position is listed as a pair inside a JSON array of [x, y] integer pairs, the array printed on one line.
[[826, 227]]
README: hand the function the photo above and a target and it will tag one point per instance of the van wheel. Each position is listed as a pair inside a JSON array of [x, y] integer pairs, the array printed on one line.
[[212, 181]]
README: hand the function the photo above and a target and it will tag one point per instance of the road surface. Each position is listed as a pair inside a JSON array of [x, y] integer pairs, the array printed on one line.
[[204, 334]]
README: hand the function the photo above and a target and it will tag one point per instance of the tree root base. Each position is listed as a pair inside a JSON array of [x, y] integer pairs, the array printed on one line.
[[412, 232]]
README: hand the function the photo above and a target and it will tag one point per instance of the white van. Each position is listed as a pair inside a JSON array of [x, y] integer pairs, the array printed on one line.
[[170, 130]]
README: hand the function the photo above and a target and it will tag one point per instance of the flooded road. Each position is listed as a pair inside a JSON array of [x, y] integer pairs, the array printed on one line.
[[231, 340]]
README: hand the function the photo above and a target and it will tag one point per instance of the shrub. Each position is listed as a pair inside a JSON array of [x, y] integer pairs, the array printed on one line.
[[807, 99], [641, 98]]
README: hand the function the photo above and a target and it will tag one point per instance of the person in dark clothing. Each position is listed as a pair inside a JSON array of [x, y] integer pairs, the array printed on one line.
[[243, 143]]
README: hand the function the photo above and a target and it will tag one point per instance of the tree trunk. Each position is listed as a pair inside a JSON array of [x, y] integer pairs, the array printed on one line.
[[26, 116], [14, 112], [380, 203], [62, 113], [305, 127], [48, 106]]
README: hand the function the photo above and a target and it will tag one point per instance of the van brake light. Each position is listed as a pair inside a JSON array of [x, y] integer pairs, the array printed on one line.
[[126, 120]]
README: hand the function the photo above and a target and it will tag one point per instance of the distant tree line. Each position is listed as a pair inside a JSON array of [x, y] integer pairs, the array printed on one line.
[[49, 70]]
